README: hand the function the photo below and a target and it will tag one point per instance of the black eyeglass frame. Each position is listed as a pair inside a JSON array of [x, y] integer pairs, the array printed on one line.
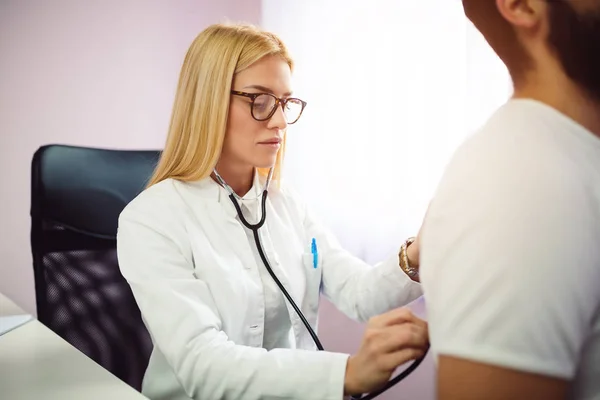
[[278, 102]]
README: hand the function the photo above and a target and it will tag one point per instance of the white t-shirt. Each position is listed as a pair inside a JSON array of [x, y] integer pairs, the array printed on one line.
[[510, 259]]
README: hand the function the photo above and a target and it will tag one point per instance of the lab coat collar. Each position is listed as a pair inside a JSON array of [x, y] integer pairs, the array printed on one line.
[[210, 189], [250, 204]]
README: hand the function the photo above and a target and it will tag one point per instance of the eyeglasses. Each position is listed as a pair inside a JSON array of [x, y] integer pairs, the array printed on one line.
[[264, 105]]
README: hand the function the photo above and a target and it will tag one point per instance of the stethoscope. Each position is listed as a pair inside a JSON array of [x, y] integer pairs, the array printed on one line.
[[254, 228]]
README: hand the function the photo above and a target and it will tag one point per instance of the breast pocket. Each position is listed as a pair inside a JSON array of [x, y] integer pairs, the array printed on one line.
[[313, 280]]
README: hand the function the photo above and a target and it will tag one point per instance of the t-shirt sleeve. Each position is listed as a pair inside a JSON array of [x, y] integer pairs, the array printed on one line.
[[509, 262]]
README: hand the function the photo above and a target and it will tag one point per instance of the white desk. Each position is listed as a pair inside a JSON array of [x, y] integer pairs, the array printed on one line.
[[11, 316], [35, 363]]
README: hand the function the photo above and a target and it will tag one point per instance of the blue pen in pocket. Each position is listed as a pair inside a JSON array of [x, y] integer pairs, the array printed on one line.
[[315, 252]]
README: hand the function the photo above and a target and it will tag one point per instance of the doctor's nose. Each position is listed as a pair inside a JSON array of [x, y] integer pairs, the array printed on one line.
[[278, 120]]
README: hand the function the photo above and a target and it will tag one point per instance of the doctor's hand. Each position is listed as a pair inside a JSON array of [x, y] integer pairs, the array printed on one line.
[[390, 340], [413, 252]]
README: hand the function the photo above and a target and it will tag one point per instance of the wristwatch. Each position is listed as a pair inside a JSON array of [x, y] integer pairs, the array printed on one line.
[[404, 264]]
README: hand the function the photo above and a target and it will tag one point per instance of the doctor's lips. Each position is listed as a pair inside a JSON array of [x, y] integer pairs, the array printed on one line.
[[274, 142]]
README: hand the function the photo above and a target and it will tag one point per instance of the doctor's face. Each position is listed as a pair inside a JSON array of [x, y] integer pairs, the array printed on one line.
[[254, 136]]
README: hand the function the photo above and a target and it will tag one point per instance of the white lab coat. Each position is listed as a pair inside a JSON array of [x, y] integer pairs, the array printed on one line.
[[192, 271]]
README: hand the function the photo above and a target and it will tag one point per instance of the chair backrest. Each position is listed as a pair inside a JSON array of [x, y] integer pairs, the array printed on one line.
[[77, 194]]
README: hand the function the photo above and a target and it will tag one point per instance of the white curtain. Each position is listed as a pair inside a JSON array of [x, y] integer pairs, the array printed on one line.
[[393, 87]]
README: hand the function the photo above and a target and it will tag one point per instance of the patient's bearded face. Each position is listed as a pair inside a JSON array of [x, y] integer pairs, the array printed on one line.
[[575, 36]]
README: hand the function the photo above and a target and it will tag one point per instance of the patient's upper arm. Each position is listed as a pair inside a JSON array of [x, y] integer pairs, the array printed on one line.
[[509, 266], [461, 379]]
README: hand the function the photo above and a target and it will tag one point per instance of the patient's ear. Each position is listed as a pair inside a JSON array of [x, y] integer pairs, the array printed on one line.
[[522, 14]]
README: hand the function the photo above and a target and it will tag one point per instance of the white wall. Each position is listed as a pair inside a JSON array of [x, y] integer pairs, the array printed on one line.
[[93, 73]]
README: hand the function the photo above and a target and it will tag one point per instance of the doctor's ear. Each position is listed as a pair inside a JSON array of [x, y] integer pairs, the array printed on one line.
[[524, 14]]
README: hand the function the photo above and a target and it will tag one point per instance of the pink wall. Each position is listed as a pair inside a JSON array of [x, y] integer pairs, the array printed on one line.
[[94, 73]]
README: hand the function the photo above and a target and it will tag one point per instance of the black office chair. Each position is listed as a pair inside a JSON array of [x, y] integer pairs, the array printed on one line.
[[77, 194]]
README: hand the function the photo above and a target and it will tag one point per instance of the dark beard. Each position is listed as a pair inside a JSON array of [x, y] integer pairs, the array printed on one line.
[[575, 36]]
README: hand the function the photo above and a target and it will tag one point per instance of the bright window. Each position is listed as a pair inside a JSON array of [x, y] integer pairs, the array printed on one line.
[[393, 87]]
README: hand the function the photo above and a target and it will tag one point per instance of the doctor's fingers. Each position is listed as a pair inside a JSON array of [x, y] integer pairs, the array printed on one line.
[[390, 362], [393, 317], [420, 322], [395, 338]]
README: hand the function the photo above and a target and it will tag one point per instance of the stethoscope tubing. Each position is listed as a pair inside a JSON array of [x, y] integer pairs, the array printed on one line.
[[254, 228]]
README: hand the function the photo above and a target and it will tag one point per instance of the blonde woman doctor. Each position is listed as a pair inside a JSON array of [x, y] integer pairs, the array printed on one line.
[[221, 327]]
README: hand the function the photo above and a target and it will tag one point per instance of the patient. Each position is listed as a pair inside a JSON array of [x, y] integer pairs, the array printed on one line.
[[510, 248]]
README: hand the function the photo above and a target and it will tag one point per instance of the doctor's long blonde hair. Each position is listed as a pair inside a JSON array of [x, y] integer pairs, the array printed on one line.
[[201, 108]]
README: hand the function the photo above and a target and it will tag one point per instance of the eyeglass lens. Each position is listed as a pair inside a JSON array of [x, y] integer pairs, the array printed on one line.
[[265, 104]]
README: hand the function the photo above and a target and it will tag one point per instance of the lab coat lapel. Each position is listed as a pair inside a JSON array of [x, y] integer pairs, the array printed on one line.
[[222, 214], [231, 231], [220, 210], [265, 232], [253, 212], [224, 219]]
